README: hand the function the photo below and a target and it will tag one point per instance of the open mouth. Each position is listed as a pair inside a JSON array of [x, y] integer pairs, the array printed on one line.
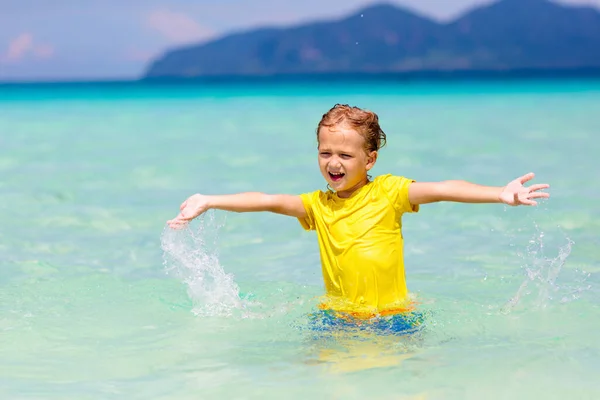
[[336, 177]]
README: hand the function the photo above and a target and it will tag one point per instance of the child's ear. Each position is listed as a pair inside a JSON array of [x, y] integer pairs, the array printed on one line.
[[371, 159]]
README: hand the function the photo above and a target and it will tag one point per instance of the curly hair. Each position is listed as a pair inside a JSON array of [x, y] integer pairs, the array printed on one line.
[[365, 122]]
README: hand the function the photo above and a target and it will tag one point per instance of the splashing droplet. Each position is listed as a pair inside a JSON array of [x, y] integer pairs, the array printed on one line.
[[191, 255], [542, 273]]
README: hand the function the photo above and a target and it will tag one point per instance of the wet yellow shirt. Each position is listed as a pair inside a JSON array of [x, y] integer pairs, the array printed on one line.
[[361, 245]]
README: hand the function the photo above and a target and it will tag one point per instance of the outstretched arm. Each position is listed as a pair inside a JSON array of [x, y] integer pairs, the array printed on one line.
[[513, 194], [242, 202]]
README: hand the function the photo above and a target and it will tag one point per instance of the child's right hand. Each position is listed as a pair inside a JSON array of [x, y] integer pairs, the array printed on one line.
[[190, 209]]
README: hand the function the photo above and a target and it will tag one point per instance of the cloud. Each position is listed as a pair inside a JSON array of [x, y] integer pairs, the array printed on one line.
[[177, 27], [23, 46], [18, 47]]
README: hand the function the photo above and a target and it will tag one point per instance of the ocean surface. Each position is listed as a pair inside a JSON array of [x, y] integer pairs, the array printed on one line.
[[100, 300]]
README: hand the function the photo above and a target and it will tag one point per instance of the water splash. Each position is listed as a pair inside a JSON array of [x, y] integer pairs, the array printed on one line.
[[542, 273], [190, 254]]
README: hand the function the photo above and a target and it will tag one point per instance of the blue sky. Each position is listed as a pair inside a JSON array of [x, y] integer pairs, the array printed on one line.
[[77, 39]]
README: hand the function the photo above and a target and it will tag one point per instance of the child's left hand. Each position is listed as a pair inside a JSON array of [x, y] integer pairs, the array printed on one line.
[[515, 194]]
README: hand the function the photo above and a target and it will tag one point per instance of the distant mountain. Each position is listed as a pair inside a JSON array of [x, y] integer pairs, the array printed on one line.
[[530, 34], [509, 34]]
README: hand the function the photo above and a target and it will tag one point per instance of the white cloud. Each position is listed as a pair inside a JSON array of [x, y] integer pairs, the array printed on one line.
[[23, 46], [177, 27]]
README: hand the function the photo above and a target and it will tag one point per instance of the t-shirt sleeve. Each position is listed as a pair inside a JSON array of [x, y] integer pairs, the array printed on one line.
[[396, 188], [308, 200]]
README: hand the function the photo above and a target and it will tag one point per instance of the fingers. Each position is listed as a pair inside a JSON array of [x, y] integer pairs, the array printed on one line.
[[539, 195], [177, 223], [526, 177], [183, 217], [528, 199], [177, 227], [542, 186]]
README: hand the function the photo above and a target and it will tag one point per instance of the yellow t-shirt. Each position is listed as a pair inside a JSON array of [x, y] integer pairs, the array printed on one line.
[[361, 245]]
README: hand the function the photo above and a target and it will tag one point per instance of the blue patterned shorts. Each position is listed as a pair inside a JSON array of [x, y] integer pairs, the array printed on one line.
[[398, 324]]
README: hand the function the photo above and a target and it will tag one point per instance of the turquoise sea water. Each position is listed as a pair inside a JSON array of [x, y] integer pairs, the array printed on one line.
[[98, 300]]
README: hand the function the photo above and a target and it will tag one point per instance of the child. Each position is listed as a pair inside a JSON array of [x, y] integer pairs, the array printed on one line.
[[358, 219]]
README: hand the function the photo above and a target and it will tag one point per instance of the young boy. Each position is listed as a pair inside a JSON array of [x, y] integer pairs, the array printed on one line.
[[358, 220]]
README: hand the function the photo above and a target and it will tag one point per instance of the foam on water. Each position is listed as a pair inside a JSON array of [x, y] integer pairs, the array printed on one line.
[[190, 254]]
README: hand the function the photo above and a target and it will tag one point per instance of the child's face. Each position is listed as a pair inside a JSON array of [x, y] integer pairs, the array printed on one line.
[[343, 160]]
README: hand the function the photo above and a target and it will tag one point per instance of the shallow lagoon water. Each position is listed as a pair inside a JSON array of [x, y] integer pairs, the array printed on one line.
[[99, 300]]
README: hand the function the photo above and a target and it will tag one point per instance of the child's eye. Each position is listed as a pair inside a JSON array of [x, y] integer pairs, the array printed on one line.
[[325, 153], [346, 156]]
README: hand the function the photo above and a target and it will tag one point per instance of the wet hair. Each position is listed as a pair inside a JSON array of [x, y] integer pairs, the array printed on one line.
[[365, 122]]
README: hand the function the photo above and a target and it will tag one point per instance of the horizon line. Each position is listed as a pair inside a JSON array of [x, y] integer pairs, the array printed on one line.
[[481, 74]]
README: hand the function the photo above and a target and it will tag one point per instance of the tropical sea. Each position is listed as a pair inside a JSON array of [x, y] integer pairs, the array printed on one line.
[[100, 300]]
